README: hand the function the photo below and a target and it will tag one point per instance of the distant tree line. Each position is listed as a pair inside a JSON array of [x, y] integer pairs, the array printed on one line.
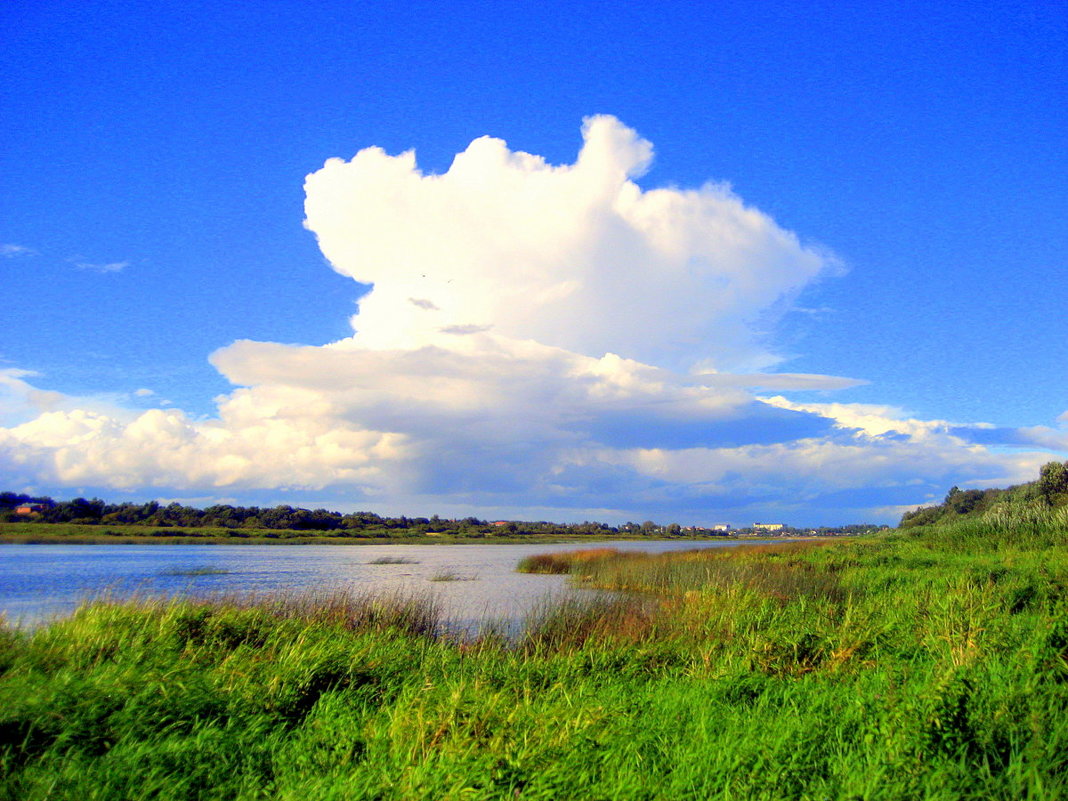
[[94, 511], [1050, 491]]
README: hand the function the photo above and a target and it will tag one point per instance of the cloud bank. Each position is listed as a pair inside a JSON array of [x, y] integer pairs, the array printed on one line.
[[537, 337]]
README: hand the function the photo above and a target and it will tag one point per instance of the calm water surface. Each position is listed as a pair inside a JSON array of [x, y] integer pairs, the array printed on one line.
[[40, 582]]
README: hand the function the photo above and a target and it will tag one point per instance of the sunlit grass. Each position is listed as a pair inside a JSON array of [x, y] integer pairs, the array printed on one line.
[[565, 562], [901, 667]]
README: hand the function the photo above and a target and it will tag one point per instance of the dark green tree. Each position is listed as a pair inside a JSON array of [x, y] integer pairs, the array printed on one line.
[[1053, 483]]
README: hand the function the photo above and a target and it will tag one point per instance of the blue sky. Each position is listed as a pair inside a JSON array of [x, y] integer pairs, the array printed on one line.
[[896, 216]]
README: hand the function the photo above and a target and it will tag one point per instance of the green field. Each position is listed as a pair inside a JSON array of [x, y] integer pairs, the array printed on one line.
[[94, 534], [929, 663]]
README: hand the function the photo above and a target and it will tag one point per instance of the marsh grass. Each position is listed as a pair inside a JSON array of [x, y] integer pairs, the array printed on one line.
[[777, 570], [195, 571], [393, 560], [565, 562], [415, 614], [570, 623], [1004, 527], [910, 666], [452, 575]]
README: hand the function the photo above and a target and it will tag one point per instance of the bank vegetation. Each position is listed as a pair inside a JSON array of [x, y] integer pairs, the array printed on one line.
[[931, 662]]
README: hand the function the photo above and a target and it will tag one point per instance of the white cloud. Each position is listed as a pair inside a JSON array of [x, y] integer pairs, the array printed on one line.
[[107, 267], [870, 419], [780, 381], [164, 448], [144, 393], [810, 468], [537, 337], [10, 251], [19, 400], [575, 256], [1044, 437]]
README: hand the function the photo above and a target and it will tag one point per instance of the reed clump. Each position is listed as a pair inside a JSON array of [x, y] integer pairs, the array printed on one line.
[[567, 562], [773, 569], [452, 575], [569, 624], [205, 570]]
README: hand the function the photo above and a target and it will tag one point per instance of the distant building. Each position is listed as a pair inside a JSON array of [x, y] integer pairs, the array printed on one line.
[[769, 526], [721, 526], [500, 522], [30, 509]]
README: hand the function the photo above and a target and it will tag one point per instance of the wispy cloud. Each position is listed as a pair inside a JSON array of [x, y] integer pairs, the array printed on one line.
[[101, 267], [817, 311], [465, 330], [10, 251], [423, 303]]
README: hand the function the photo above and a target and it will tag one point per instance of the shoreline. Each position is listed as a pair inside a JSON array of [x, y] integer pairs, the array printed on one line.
[[84, 534]]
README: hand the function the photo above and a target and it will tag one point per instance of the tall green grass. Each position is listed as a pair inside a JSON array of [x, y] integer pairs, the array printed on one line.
[[1005, 526], [911, 666]]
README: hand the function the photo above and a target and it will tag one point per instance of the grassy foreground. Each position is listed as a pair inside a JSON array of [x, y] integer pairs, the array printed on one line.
[[930, 664]]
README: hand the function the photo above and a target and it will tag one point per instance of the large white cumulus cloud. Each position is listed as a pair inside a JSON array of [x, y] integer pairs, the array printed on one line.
[[574, 256], [536, 337]]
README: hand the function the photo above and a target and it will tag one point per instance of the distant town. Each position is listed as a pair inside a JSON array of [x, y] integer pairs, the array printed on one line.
[[753, 530]]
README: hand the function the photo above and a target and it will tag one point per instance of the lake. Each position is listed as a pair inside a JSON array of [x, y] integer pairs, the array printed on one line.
[[40, 582]]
